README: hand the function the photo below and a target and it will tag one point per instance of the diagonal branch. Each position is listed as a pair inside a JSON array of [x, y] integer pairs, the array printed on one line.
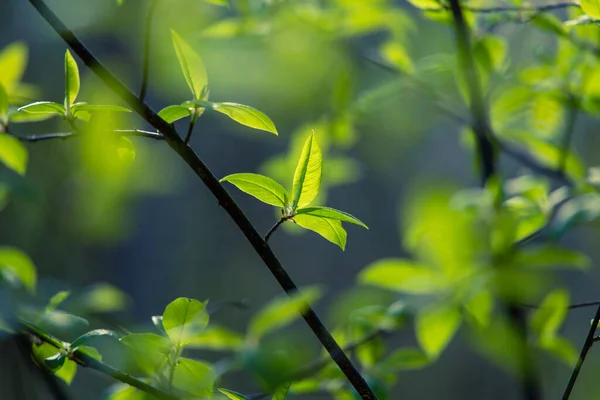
[[218, 191], [501, 9]]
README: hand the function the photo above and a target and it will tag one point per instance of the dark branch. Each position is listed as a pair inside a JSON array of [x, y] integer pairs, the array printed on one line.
[[587, 345], [274, 228], [487, 10], [213, 184], [70, 135], [571, 307], [147, 40]]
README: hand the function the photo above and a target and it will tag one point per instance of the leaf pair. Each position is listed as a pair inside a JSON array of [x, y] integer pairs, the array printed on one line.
[[305, 186], [196, 78]]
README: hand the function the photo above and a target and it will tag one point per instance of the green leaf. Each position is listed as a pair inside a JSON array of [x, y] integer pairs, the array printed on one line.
[[281, 312], [262, 187], [173, 113], [13, 60], [85, 107], [216, 337], [63, 320], [67, 372], [307, 177], [549, 23], [148, 350], [330, 229], [44, 107], [71, 80], [548, 317], [90, 352], [92, 335], [184, 318], [17, 266], [123, 391], [591, 8], [331, 213], [194, 377], [13, 154], [403, 276], [246, 115], [281, 392], [56, 361], [3, 104], [550, 255], [125, 150], [222, 3], [409, 358], [103, 297], [426, 4], [57, 300], [583, 208], [191, 65], [233, 395], [435, 326]]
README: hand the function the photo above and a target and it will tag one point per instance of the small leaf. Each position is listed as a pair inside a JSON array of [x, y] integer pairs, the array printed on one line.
[[281, 312], [591, 8], [435, 327], [548, 317], [3, 104], [330, 229], [409, 358], [71, 80], [184, 318], [84, 107], [89, 351], [150, 351], [103, 297], [191, 65], [44, 107], [16, 265], [13, 60], [261, 187], [57, 300], [173, 113], [425, 4], [281, 392], [13, 154], [307, 177], [91, 335], [194, 377], [544, 256], [403, 276], [331, 213], [122, 391], [216, 338], [125, 150], [233, 395], [67, 372], [246, 115], [56, 361]]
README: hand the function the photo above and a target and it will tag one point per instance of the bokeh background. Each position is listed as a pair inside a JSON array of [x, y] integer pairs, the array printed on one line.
[[154, 231]]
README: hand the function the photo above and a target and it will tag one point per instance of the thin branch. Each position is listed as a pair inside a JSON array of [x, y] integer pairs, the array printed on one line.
[[571, 307], [70, 135], [587, 345], [274, 228], [86, 361], [188, 136], [147, 37], [212, 183], [488, 10], [540, 232]]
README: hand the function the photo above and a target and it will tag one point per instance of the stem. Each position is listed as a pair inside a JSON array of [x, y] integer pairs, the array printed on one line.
[[571, 307], [237, 215], [147, 37], [587, 345], [485, 10], [274, 228], [188, 136], [573, 112], [70, 135]]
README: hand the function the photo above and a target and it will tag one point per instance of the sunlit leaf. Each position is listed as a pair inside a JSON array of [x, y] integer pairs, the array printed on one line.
[[89, 351], [434, 4], [57, 300], [174, 113], [194, 377], [149, 351], [591, 8], [480, 307], [67, 372], [103, 297], [216, 337], [13, 60], [409, 358], [93, 335], [281, 312], [548, 317], [123, 391], [63, 320], [331, 213], [233, 395], [191, 65], [125, 150], [223, 3], [13, 154], [435, 327], [3, 104], [91, 108], [281, 392], [17, 266], [246, 115], [395, 54], [550, 255], [44, 107], [402, 275], [330, 229], [307, 177], [262, 187], [71, 80], [184, 318]]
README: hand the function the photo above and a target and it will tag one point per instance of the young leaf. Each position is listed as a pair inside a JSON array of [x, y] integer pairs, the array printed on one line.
[[246, 115], [222, 3], [194, 377], [435, 326], [281, 312], [591, 8], [331, 213], [233, 395], [89, 351], [262, 187], [281, 392], [409, 358], [57, 300], [85, 107], [91, 335], [174, 113], [191, 65], [150, 351], [216, 337], [67, 372], [125, 150], [3, 104], [13, 60], [16, 265], [44, 107], [307, 177], [71, 80], [549, 316], [13, 154], [403, 276], [330, 229], [184, 318]]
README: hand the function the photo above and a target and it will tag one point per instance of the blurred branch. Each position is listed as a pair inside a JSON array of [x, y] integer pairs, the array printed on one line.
[[571, 307], [487, 10], [147, 39], [572, 112], [216, 306], [86, 361], [587, 345], [70, 135], [540, 232], [188, 155]]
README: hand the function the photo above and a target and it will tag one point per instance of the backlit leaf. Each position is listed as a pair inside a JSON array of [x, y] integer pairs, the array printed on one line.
[[246, 115], [184, 318], [92, 335], [148, 350], [281, 392], [330, 229], [435, 326], [233, 395], [44, 107], [331, 213], [194, 377], [174, 113], [409, 358], [13, 154], [17, 266], [307, 177], [548, 317], [67, 372], [262, 187], [591, 8], [71, 80], [403, 276], [216, 337], [13, 60], [191, 65]]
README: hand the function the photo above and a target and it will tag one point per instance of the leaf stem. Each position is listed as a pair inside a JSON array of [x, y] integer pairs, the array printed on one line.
[[188, 155], [274, 228], [193, 118], [70, 135], [487, 10], [147, 37], [572, 113], [587, 345]]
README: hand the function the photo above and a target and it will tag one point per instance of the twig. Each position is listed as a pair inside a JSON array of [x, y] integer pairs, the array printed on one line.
[[486, 10], [147, 37], [212, 183], [587, 345], [188, 136], [540, 232], [571, 307], [274, 228], [87, 361], [70, 135]]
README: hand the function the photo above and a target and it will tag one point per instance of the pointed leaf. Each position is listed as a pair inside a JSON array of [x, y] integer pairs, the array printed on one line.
[[331, 213], [57, 300], [56, 361], [282, 311], [174, 113], [262, 187], [216, 338], [548, 317], [307, 177], [44, 107], [591, 8], [281, 392], [3, 104], [16, 265], [233, 395], [89, 351], [409, 358], [91, 335], [435, 327], [402, 276], [184, 318], [84, 107], [330, 229], [67, 372], [149, 351], [191, 65], [246, 115], [13, 60], [71, 80], [13, 154], [194, 377]]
